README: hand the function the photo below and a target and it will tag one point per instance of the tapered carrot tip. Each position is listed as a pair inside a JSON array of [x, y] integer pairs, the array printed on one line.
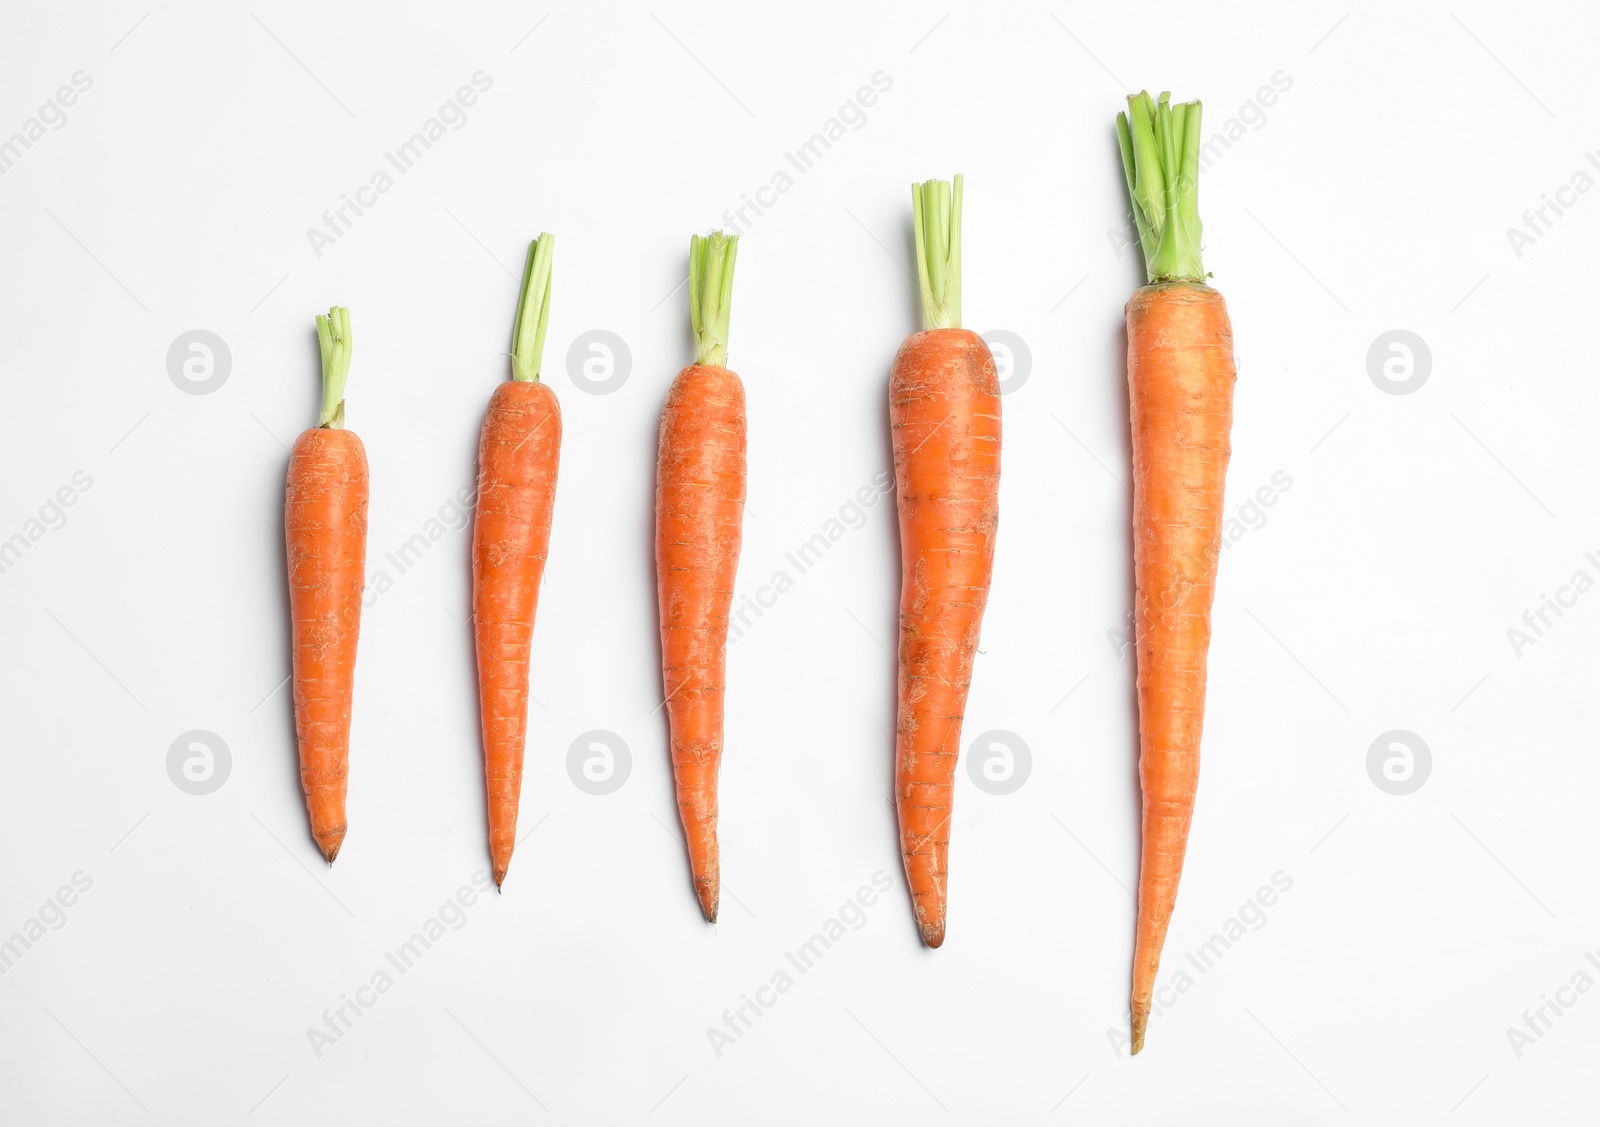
[[708, 893], [499, 878], [1139, 1022], [930, 921], [329, 843]]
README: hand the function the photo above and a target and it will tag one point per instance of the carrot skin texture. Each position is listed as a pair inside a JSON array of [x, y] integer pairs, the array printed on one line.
[[700, 491], [519, 455], [325, 525], [944, 411], [1181, 378]]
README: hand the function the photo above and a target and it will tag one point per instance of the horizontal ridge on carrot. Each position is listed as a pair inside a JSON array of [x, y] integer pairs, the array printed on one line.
[[700, 490], [519, 453], [325, 527], [1180, 390], [944, 415]]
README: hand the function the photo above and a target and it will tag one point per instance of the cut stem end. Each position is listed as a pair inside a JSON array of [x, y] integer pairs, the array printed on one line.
[[533, 310], [333, 335], [711, 260], [936, 211], [1160, 146]]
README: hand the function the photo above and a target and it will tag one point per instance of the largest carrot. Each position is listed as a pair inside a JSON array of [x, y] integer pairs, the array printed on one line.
[[518, 454], [700, 483], [1180, 392], [944, 414], [325, 525]]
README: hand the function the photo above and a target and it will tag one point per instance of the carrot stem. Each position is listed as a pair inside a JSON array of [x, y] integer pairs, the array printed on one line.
[[333, 334], [936, 210], [711, 294], [533, 310], [1160, 146]]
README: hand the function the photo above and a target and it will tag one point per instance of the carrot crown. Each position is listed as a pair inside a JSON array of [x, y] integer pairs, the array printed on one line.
[[333, 334], [1161, 157], [936, 210], [533, 311], [711, 294]]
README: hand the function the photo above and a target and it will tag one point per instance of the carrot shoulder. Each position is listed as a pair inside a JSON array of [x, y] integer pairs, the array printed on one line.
[[700, 490], [944, 412], [325, 526], [518, 456], [1180, 390]]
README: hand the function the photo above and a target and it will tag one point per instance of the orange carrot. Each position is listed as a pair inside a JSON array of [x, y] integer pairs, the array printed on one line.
[[1180, 390], [518, 454], [944, 412], [700, 483], [325, 524]]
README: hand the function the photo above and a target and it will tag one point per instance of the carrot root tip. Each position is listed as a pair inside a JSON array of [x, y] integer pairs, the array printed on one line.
[[1139, 1022], [329, 844]]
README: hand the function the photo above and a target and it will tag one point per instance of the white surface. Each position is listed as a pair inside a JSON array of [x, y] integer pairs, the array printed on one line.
[[1377, 595]]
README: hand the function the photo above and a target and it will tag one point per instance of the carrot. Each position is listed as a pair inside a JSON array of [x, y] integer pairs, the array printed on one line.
[[325, 525], [1180, 391], [944, 413], [700, 488], [518, 455]]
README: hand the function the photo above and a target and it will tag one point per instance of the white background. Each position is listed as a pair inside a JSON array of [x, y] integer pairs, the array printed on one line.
[[1373, 195]]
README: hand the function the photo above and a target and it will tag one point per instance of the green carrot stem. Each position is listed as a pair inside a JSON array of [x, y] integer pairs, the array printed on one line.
[[533, 310], [1161, 159], [333, 334], [936, 211], [711, 294]]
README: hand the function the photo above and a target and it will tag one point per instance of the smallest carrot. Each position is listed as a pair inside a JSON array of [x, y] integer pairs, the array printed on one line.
[[325, 526]]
